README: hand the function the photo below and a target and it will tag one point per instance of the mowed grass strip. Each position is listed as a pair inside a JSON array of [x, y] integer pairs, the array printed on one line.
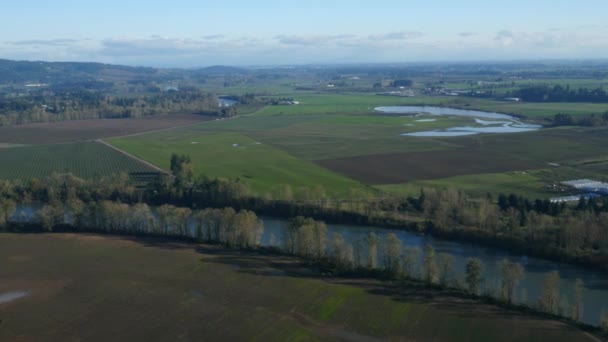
[[83, 159], [96, 288], [233, 155]]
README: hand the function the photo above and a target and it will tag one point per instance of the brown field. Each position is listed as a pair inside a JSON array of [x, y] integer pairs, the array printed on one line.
[[94, 288], [80, 130], [405, 167]]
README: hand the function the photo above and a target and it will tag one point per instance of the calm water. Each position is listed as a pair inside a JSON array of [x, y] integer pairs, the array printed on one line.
[[595, 296], [508, 123], [443, 111]]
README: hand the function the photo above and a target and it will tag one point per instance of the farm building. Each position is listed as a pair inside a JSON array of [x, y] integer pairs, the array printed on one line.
[[589, 188]]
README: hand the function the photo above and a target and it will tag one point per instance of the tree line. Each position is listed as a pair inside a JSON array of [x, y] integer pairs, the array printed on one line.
[[589, 120], [559, 93], [385, 257], [78, 105], [538, 227]]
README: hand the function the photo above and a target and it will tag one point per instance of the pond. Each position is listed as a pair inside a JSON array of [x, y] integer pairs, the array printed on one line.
[[507, 123]]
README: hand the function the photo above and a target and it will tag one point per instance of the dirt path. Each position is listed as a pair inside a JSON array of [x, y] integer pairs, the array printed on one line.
[[155, 167]]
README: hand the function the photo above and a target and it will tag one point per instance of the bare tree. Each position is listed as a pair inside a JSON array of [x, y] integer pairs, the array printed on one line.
[[411, 256], [549, 300], [358, 253], [339, 253], [430, 264], [473, 275], [445, 264], [578, 309], [372, 250], [320, 235], [511, 274], [391, 251], [7, 208]]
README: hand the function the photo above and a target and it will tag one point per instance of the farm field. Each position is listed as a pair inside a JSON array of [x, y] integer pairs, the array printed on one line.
[[404, 167], [522, 183], [80, 130], [232, 155], [369, 149], [477, 154], [539, 110], [364, 103], [84, 159], [90, 287], [353, 103]]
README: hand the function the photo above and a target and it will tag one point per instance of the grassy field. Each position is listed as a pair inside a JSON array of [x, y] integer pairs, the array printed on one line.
[[522, 183], [316, 104], [351, 103], [314, 137], [537, 110], [370, 149], [233, 155], [93, 288], [84, 159]]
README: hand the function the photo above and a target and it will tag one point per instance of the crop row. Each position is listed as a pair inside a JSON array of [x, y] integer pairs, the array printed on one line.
[[83, 159]]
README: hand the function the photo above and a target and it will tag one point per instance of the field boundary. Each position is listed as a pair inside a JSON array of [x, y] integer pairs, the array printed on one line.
[[143, 161]]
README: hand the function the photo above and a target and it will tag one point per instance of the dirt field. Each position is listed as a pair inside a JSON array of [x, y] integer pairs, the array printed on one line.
[[406, 167], [68, 287], [80, 130]]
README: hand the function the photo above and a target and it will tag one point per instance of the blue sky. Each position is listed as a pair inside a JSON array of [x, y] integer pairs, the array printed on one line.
[[199, 33]]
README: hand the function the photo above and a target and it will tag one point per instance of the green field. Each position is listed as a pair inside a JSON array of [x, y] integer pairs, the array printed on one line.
[[364, 103], [84, 159], [360, 103], [93, 288], [324, 128], [522, 183], [233, 155]]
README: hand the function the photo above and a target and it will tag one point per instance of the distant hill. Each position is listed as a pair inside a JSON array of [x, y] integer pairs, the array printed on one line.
[[18, 72], [221, 70]]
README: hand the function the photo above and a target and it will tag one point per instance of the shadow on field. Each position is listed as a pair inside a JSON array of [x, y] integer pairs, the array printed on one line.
[[258, 262], [269, 264]]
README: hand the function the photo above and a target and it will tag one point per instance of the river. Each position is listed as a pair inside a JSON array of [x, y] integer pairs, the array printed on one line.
[[595, 294]]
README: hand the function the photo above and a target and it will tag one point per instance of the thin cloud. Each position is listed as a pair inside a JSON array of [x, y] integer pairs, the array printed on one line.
[[467, 34], [505, 38], [213, 36], [312, 40], [399, 35], [46, 42]]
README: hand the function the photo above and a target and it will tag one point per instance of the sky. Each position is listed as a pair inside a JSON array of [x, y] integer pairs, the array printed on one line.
[[188, 33]]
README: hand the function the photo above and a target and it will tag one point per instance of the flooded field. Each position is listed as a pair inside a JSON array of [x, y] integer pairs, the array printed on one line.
[[502, 123]]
